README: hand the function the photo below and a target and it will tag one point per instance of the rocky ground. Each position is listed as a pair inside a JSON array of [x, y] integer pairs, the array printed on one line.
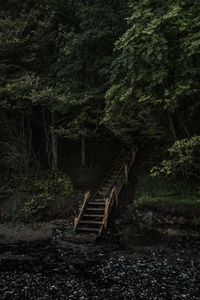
[[157, 256], [63, 267], [106, 277]]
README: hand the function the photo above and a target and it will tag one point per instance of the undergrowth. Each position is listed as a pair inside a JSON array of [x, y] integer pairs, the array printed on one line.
[[170, 190], [35, 196]]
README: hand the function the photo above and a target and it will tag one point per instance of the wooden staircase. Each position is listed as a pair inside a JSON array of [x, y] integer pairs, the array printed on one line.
[[94, 213]]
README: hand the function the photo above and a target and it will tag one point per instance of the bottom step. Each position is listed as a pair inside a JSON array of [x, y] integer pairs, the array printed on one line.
[[87, 229]]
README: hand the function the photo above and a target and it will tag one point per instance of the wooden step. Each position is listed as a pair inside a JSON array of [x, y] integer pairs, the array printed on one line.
[[106, 184], [103, 193], [87, 229], [93, 216], [109, 181], [91, 219], [90, 222], [94, 208], [114, 172], [106, 188], [99, 200], [96, 203], [121, 177], [118, 178], [109, 186], [112, 177]]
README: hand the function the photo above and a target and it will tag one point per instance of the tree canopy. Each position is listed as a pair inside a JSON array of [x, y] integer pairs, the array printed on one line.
[[75, 69]]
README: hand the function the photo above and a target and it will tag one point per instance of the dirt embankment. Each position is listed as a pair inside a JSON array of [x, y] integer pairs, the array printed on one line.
[[157, 226], [37, 231], [170, 219]]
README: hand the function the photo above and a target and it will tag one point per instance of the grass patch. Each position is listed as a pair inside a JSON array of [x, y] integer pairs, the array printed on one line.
[[162, 189]]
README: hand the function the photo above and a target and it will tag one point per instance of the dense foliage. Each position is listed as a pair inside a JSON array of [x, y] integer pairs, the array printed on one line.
[[155, 77], [55, 62], [154, 83], [82, 69]]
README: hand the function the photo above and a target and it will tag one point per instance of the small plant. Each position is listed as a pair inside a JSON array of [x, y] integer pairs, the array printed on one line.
[[184, 159], [196, 222], [32, 206]]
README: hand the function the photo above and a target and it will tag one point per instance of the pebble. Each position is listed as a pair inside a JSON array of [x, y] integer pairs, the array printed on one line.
[[108, 277]]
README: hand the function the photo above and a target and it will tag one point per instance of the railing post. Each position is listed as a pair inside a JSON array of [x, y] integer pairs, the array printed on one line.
[[76, 220], [106, 213]]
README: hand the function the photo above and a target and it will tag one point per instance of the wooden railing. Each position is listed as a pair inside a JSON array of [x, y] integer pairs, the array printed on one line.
[[126, 166], [86, 197], [108, 206], [112, 197], [110, 172]]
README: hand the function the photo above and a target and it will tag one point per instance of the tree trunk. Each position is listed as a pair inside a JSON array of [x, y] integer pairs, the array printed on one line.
[[47, 144], [30, 134], [22, 146], [172, 127], [54, 150], [83, 151], [23, 125]]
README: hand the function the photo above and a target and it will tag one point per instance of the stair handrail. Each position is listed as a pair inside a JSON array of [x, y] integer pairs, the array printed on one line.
[[105, 219], [117, 175], [108, 204], [109, 173], [76, 220], [112, 190], [124, 163]]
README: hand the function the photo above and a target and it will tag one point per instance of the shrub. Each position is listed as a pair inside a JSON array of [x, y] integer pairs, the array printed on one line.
[[184, 159]]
